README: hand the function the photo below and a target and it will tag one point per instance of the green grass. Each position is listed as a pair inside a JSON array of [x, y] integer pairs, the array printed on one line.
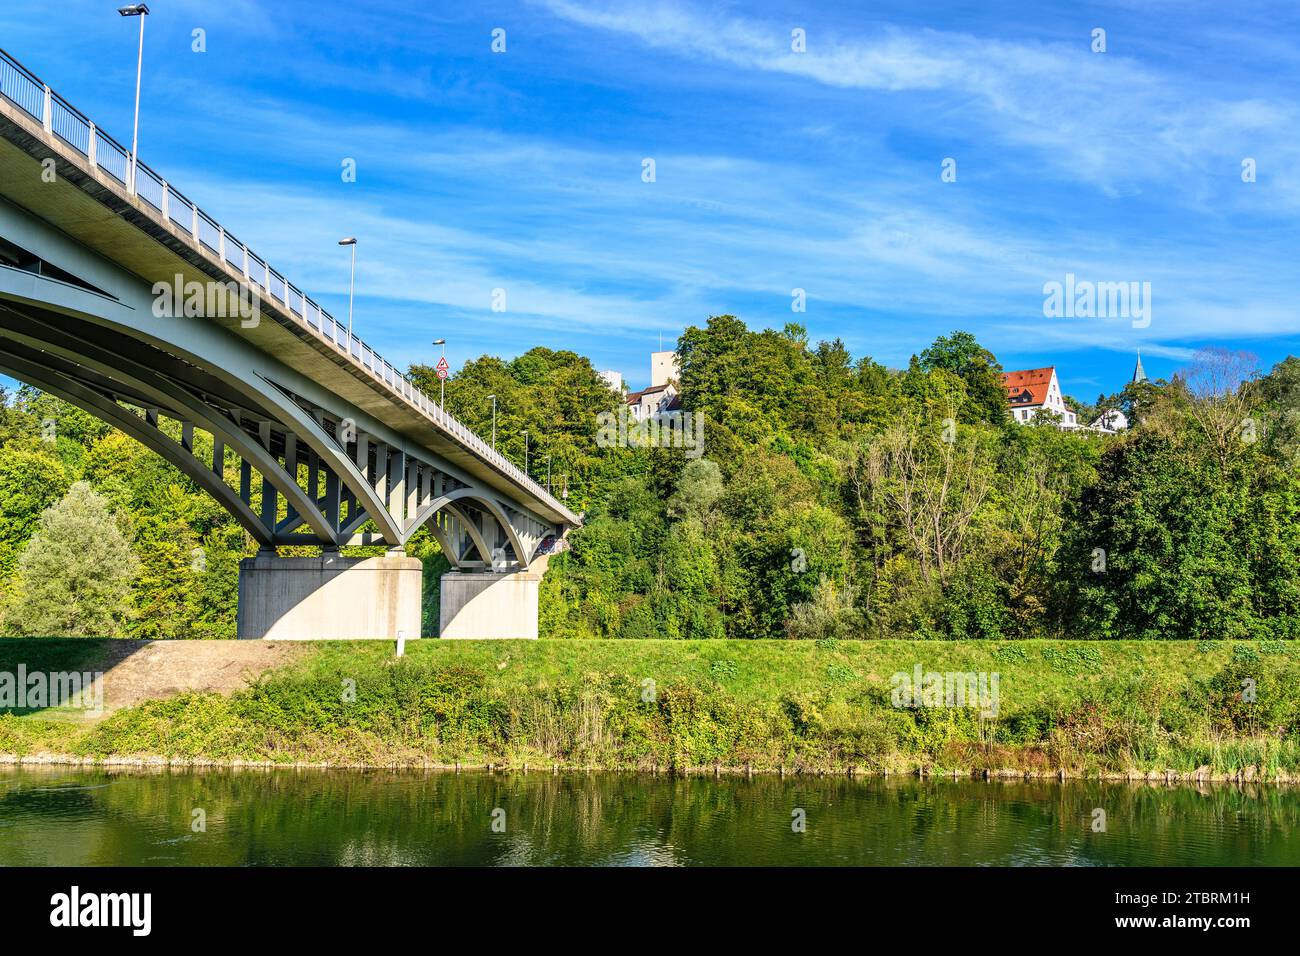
[[1084, 707]]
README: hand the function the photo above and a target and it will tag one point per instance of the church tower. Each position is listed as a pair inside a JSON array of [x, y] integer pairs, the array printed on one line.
[[1139, 374]]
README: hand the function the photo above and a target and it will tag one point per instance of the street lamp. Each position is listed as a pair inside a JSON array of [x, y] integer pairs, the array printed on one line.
[[442, 379], [136, 10], [352, 284], [494, 421], [525, 451], [548, 474]]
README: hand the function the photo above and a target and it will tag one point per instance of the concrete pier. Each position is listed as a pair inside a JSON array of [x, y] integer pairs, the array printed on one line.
[[331, 598], [489, 605]]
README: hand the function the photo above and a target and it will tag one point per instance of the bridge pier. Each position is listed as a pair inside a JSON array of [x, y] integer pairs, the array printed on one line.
[[485, 604], [329, 597]]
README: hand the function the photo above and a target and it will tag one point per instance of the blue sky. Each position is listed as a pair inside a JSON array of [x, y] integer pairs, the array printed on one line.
[[775, 169]]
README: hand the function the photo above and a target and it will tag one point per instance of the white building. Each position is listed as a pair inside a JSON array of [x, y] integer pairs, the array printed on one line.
[[651, 401], [613, 379], [1110, 421], [661, 396], [1032, 390]]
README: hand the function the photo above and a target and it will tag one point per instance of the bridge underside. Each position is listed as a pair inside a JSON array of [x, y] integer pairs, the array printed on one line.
[[247, 448]]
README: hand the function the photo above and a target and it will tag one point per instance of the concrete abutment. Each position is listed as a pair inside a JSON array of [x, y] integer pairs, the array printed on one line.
[[332, 597], [485, 604], [329, 597]]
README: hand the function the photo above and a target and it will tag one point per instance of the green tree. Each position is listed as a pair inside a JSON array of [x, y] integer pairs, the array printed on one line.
[[31, 479], [1280, 392], [698, 488], [75, 575], [554, 396], [1183, 537], [964, 357]]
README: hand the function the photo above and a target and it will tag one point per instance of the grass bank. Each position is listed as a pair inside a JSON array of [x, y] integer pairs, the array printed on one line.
[[1083, 708]]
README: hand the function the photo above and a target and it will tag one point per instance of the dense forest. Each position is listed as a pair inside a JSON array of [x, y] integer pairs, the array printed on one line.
[[836, 498]]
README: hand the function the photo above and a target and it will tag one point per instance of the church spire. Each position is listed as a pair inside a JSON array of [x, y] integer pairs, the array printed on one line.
[[1139, 374]]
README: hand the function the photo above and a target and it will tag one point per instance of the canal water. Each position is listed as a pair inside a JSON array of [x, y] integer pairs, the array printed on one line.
[[76, 817]]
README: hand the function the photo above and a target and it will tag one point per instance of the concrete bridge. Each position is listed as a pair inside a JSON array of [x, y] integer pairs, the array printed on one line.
[[121, 296]]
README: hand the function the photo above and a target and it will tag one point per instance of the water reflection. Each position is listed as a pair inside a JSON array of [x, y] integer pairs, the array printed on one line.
[[93, 817]]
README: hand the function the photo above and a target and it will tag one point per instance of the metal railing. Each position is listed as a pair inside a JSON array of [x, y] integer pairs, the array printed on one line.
[[61, 119]]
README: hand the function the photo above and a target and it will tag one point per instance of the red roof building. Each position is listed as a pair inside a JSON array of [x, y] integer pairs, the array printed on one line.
[[1032, 389]]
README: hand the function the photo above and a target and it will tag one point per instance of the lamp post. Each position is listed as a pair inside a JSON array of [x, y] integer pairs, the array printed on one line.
[[525, 451], [352, 283], [565, 478], [548, 474], [494, 421], [442, 379], [136, 10]]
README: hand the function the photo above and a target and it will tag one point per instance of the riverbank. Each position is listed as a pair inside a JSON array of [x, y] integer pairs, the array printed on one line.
[[154, 763], [1110, 709]]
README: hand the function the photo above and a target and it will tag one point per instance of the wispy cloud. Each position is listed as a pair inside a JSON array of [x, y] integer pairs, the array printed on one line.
[[1100, 117]]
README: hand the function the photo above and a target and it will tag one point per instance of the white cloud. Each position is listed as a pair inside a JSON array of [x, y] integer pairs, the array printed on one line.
[[1101, 118]]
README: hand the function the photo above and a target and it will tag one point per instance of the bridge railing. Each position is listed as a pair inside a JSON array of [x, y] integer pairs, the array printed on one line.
[[60, 118]]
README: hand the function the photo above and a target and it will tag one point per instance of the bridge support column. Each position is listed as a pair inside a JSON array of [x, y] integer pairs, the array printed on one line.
[[488, 605], [329, 598]]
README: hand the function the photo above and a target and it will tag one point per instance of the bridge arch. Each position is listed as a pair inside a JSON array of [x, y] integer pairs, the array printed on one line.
[[428, 514], [76, 344]]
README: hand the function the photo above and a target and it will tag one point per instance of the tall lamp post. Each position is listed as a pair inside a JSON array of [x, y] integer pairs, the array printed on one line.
[[494, 421], [548, 474], [525, 451], [136, 10], [352, 283], [442, 378]]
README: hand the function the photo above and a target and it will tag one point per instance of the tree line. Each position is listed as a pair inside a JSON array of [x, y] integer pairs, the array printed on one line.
[[836, 498], [841, 499]]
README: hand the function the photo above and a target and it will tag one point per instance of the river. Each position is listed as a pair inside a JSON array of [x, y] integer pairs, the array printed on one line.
[[78, 817]]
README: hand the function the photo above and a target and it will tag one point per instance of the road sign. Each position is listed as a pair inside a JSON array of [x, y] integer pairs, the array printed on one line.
[[442, 367], [442, 373]]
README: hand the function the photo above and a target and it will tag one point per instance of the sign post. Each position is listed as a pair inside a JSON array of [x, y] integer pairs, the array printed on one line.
[[442, 368]]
